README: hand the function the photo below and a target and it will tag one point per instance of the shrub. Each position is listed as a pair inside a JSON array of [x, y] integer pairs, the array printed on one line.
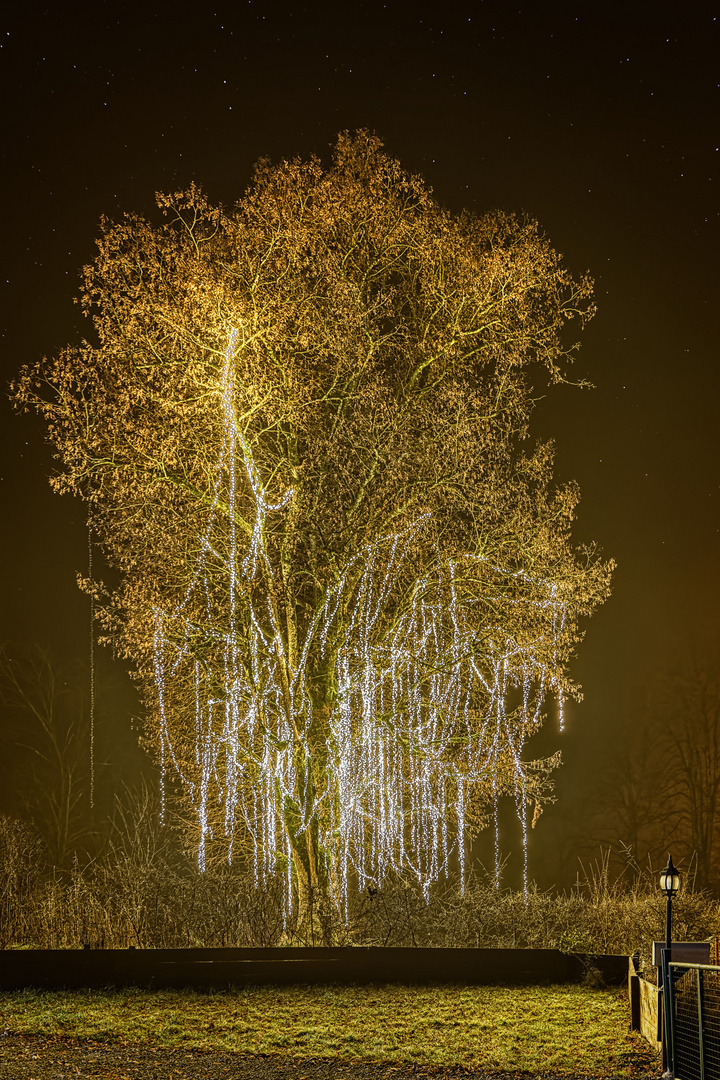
[[147, 892]]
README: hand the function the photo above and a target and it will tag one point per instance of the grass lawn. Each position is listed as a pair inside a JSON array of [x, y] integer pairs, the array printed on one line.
[[558, 1029]]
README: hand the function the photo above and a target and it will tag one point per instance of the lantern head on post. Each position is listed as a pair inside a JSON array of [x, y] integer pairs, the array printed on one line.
[[670, 879]]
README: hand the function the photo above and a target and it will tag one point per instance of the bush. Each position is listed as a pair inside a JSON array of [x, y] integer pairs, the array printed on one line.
[[147, 892]]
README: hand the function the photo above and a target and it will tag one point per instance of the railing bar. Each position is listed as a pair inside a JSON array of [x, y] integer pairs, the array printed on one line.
[[703, 967]]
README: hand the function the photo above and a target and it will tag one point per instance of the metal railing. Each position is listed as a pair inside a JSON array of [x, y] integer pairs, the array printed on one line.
[[694, 1021]]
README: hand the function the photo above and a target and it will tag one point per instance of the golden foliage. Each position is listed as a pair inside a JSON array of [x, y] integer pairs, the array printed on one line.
[[386, 363]]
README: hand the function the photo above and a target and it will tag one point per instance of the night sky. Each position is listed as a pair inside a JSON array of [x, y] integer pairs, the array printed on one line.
[[600, 120]]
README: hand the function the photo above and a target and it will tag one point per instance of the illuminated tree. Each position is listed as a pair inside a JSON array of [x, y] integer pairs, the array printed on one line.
[[348, 581]]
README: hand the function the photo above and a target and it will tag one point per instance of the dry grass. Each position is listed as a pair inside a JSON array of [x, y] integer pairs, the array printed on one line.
[[569, 1030]]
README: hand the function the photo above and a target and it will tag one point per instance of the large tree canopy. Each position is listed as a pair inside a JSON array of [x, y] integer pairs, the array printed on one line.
[[348, 581]]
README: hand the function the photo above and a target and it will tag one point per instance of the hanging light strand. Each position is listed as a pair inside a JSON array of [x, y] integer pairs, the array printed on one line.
[[424, 711]]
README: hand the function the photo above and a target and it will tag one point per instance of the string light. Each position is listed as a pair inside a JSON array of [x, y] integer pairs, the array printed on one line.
[[424, 712]]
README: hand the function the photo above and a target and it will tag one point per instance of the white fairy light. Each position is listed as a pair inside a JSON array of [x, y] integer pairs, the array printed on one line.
[[424, 711]]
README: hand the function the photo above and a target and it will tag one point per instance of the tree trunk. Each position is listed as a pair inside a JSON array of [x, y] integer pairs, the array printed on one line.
[[314, 904], [316, 911]]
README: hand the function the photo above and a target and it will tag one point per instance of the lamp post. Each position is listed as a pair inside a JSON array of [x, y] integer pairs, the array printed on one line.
[[669, 885]]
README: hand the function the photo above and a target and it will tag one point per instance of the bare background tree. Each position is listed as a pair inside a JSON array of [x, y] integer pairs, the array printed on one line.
[[46, 758], [660, 791]]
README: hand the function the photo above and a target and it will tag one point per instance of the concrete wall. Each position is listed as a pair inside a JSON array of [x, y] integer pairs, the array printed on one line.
[[55, 968]]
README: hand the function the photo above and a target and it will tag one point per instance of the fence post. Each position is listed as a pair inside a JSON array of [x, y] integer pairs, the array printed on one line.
[[700, 995], [634, 995]]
